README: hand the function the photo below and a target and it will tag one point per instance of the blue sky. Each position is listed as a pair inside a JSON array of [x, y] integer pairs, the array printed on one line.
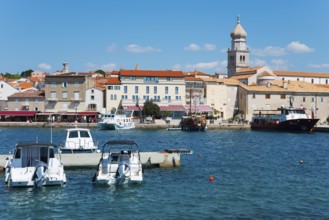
[[184, 35]]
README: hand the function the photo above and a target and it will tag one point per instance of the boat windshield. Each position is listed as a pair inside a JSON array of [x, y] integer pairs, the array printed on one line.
[[296, 111]]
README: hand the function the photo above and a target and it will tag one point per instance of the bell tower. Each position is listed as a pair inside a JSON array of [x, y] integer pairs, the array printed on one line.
[[238, 55]]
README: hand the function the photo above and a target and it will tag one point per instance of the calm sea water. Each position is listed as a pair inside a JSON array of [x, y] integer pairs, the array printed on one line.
[[256, 175]]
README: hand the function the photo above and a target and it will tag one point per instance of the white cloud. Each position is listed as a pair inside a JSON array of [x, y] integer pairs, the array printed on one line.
[[109, 67], [297, 47], [259, 62], [270, 51], [196, 47], [192, 47], [209, 65], [176, 67], [319, 66], [111, 48], [209, 47], [91, 66], [44, 66], [279, 64], [135, 48]]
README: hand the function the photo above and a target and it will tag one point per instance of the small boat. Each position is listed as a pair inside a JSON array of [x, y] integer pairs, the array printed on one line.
[[79, 140], [116, 121], [193, 123], [283, 119], [119, 164], [34, 164]]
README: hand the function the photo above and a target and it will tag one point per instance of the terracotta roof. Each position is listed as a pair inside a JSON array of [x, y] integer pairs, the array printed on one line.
[[265, 73], [113, 81], [300, 74], [292, 86], [195, 73], [27, 94], [245, 76], [155, 73], [25, 85], [192, 79], [249, 69], [36, 79]]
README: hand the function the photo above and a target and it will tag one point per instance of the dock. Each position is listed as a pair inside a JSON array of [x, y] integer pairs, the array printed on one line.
[[168, 159]]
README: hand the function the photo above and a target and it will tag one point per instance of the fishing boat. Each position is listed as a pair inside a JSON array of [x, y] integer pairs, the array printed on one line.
[[79, 140], [283, 119], [119, 164], [34, 164], [193, 123], [116, 121]]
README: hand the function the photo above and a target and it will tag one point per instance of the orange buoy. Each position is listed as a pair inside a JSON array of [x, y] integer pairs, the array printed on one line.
[[211, 178]]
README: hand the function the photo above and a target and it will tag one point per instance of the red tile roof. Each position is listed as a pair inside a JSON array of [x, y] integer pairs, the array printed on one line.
[[300, 74], [113, 81]]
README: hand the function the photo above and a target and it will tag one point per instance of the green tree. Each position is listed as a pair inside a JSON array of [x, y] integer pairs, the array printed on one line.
[[100, 72], [26, 73], [151, 109]]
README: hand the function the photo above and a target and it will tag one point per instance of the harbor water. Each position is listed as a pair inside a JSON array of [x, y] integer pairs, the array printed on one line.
[[255, 174]]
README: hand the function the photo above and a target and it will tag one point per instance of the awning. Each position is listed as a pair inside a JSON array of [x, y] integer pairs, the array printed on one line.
[[18, 113], [199, 108], [88, 113], [173, 108]]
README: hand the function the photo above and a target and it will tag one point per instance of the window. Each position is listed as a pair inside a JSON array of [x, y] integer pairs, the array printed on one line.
[[122, 78], [147, 89], [116, 87], [313, 99], [53, 95], [76, 95], [304, 99], [297, 79], [64, 95], [169, 79], [76, 84], [176, 90], [133, 78], [312, 80], [321, 99], [64, 106], [1, 86], [267, 96], [53, 85], [283, 96], [253, 95], [136, 89], [166, 89], [110, 87], [326, 81], [92, 91], [64, 84], [155, 89], [125, 89], [92, 97]]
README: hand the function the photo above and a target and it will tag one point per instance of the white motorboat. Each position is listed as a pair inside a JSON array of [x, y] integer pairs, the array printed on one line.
[[34, 164], [119, 164], [116, 121], [79, 140]]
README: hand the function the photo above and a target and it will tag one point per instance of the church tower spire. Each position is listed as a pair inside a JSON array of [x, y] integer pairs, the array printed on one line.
[[238, 54]]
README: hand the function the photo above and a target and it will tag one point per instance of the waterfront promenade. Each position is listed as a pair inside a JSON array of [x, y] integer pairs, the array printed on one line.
[[155, 125]]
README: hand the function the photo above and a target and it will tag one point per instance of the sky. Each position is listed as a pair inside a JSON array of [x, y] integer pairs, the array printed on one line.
[[185, 35]]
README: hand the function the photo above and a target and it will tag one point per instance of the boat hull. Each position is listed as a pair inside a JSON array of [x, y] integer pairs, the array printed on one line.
[[296, 125]]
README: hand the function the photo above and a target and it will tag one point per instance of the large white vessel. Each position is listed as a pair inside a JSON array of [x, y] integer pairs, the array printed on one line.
[[119, 164], [34, 164], [79, 140], [116, 121]]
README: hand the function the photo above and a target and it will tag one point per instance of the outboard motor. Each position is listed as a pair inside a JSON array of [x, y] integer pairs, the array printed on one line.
[[40, 172], [123, 170]]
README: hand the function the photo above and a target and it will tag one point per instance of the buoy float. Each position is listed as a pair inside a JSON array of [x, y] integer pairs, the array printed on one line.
[[199, 155], [211, 178], [301, 161]]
